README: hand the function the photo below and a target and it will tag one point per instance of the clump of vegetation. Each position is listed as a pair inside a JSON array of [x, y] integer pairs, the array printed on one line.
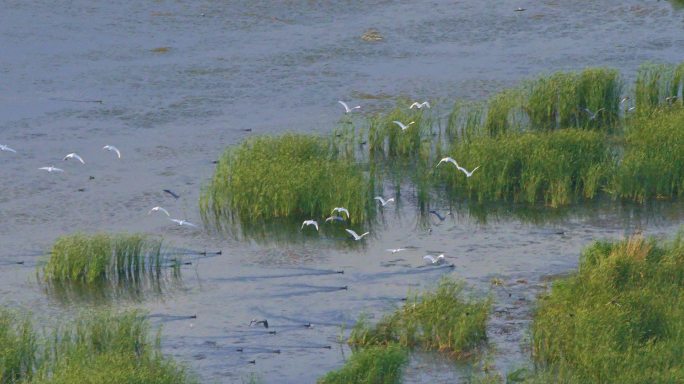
[[551, 167], [618, 319], [445, 320], [656, 85], [386, 139], [104, 347], [289, 177], [653, 164], [371, 365], [98, 258]]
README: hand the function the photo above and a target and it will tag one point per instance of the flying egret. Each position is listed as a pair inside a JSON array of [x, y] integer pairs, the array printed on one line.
[[112, 148], [340, 209], [402, 126], [593, 115], [257, 322], [383, 201], [155, 209], [624, 99], [183, 222], [346, 107], [434, 260], [468, 174], [310, 222], [356, 236], [420, 105], [447, 159], [395, 250], [6, 148], [334, 218], [51, 169], [73, 156]]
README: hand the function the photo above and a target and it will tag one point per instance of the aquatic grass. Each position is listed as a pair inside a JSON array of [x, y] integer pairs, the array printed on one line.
[[294, 177], [445, 320], [97, 347], [371, 365], [555, 168], [17, 347], [618, 319], [466, 122], [387, 140], [655, 83], [93, 259], [503, 112], [653, 164]]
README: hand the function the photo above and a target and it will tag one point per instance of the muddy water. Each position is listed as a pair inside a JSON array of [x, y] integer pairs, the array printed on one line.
[[179, 81]]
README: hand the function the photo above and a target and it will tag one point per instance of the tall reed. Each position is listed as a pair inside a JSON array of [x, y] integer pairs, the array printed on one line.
[[18, 348], [618, 319], [372, 365]]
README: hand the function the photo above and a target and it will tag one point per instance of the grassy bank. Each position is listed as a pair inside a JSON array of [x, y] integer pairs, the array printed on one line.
[[99, 258], [445, 320], [102, 347], [618, 319]]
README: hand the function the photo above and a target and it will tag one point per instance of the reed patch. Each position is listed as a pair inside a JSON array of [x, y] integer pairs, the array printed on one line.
[[371, 365]]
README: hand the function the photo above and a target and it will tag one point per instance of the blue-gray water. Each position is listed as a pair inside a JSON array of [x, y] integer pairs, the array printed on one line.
[[274, 67]]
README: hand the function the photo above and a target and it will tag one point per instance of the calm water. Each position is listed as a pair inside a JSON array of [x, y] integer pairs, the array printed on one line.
[[180, 81]]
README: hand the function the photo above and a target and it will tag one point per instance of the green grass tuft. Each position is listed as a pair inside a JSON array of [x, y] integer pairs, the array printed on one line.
[[444, 320], [372, 365]]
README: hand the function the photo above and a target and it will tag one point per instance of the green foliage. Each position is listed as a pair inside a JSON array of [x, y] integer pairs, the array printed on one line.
[[289, 177], [656, 84], [555, 167], [503, 111], [444, 320], [618, 320], [653, 165], [93, 259], [372, 365], [101, 347]]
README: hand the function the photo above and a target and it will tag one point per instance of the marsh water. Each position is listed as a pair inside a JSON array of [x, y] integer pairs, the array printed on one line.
[[172, 84]]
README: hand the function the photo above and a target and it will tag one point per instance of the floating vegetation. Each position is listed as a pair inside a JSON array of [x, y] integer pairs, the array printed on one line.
[[292, 177], [445, 320], [104, 259], [554, 167], [371, 34], [618, 319], [653, 164], [101, 347], [372, 365]]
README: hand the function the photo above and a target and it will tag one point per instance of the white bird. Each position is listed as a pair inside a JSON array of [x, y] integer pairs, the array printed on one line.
[[356, 236], [395, 250], [434, 260], [340, 209], [519, 9], [624, 99], [383, 201], [335, 218], [310, 222], [402, 126], [73, 156], [592, 115], [420, 105], [155, 209], [183, 222], [447, 159], [112, 148], [630, 109], [346, 107], [6, 148], [468, 174], [51, 169]]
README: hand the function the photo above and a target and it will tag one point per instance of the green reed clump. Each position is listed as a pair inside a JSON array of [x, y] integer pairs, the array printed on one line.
[[656, 84], [466, 122], [292, 177], [92, 259], [371, 365], [562, 99], [503, 112], [17, 348], [551, 167], [387, 140], [100, 347], [618, 319], [653, 163], [445, 320]]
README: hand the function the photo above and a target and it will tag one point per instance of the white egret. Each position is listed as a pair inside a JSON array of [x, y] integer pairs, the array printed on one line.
[[310, 222], [346, 107], [434, 260], [155, 209], [6, 148], [51, 169], [402, 125], [183, 222], [420, 105], [383, 201], [447, 159], [340, 209], [357, 237], [73, 156], [468, 174], [113, 149]]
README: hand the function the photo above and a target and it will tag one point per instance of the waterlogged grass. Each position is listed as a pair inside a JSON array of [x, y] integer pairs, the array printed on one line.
[[372, 365], [388, 140], [101, 347], [98, 258], [289, 177], [653, 164], [618, 319], [656, 84], [551, 167], [445, 320]]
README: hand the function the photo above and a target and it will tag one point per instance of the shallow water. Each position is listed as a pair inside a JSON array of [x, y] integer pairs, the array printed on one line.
[[274, 68]]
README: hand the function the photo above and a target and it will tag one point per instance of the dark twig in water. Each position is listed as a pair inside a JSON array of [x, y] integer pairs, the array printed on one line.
[[172, 193]]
